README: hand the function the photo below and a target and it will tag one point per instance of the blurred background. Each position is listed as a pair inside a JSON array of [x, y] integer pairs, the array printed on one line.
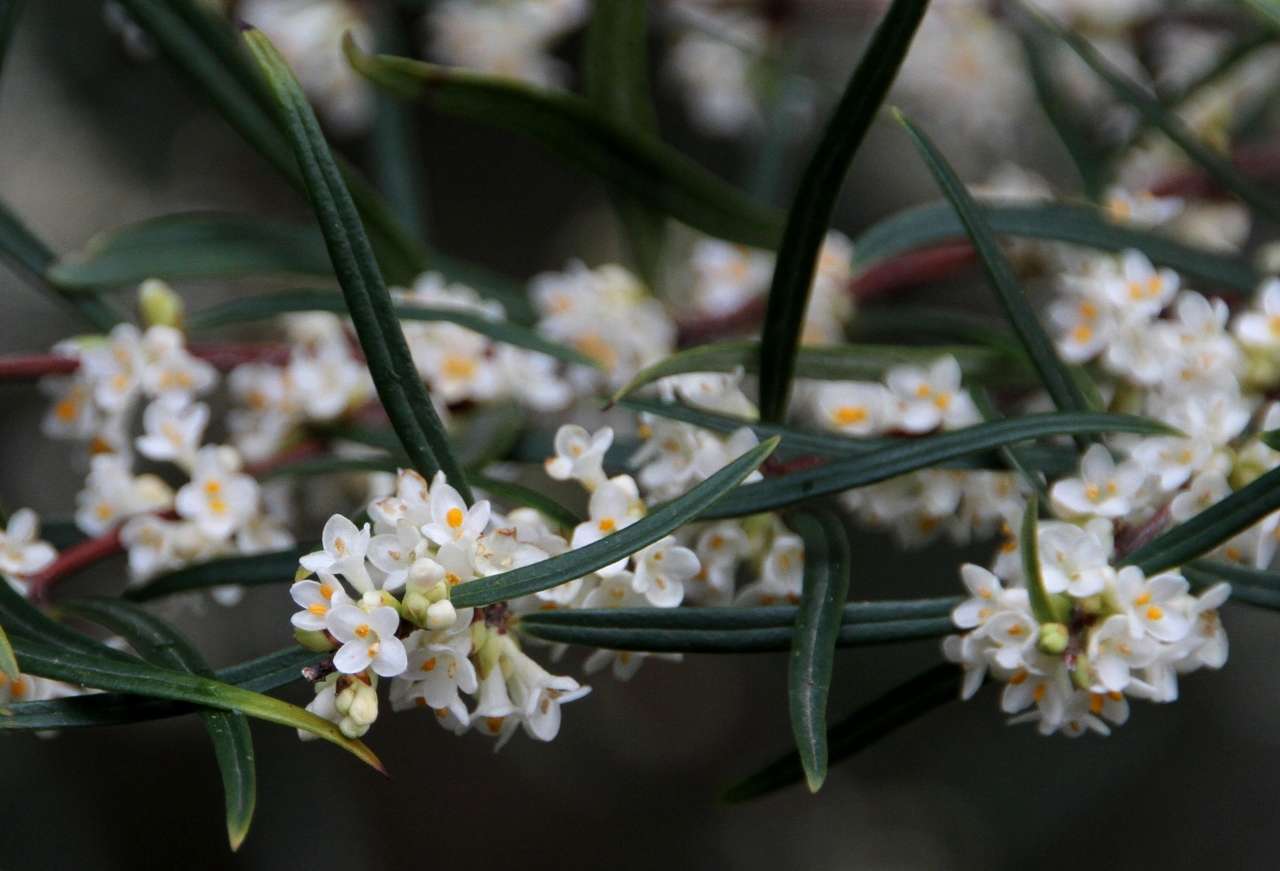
[[90, 139]]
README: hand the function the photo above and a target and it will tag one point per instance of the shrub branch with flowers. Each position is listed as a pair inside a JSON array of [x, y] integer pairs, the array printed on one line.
[[612, 461]]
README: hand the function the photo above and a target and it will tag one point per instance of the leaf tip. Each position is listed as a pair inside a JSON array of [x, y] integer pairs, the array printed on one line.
[[814, 780], [237, 831]]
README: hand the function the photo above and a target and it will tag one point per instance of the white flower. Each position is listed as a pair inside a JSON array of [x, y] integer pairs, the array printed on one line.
[[1012, 635], [411, 502], [495, 714], [451, 519], [368, 639], [394, 554], [1261, 329], [661, 570], [1114, 651], [218, 498], [539, 695], [1205, 490], [343, 552], [856, 408], [1207, 642], [438, 668], [1143, 208], [168, 372], [112, 493], [1153, 605], [316, 598], [726, 276], [615, 504], [1140, 288], [928, 398], [21, 550], [1103, 488], [986, 594], [1073, 560], [580, 455], [172, 433]]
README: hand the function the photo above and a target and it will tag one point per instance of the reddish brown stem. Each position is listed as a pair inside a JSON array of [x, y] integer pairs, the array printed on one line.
[[223, 356], [301, 451], [74, 559], [1260, 162], [27, 367]]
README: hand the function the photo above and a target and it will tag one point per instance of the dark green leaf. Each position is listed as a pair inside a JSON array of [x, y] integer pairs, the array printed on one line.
[[252, 308], [30, 257], [511, 493], [951, 325], [935, 223], [140, 678], [1058, 380], [21, 618], [734, 618], [820, 185], [813, 646], [113, 709], [395, 142], [616, 78], [868, 724], [661, 521], [1210, 528], [831, 362], [399, 388], [569, 125], [194, 245], [775, 639], [913, 454], [1156, 115], [277, 567], [161, 645]]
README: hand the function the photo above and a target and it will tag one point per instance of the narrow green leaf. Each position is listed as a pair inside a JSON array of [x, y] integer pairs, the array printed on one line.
[[203, 48], [1156, 115], [570, 126], [30, 257], [1057, 379], [114, 709], [616, 80], [511, 493], [830, 362], [194, 245], [1257, 587], [1048, 458], [813, 646], [734, 618], [915, 322], [1029, 543], [1267, 10], [399, 388], [21, 618], [277, 567], [1063, 117], [252, 308], [934, 223], [772, 639], [161, 645], [140, 678], [661, 521], [921, 453], [1210, 528], [8, 665], [898, 707], [395, 142], [820, 185]]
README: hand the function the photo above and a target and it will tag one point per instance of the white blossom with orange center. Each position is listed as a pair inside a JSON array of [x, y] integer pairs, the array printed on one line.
[[368, 639], [316, 598], [451, 520], [218, 498]]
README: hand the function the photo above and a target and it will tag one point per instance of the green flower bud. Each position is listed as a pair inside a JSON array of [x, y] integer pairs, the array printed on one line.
[[416, 605], [364, 704], [313, 640], [159, 305], [352, 729], [1053, 638]]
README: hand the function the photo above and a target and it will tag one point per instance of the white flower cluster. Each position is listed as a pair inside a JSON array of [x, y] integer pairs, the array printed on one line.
[[459, 365], [915, 508], [309, 35], [508, 38], [322, 380], [22, 552], [424, 540], [725, 277], [608, 315], [1113, 633]]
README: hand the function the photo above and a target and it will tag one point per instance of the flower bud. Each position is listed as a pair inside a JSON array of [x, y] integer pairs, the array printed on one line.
[[1053, 638], [364, 704], [314, 640], [417, 607], [425, 573], [351, 729], [441, 615], [343, 700], [159, 305]]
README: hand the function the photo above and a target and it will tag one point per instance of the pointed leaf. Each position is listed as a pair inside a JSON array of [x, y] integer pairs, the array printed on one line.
[[813, 646], [733, 618], [661, 521], [770, 639], [511, 493], [161, 645], [810, 213], [898, 707], [399, 388], [921, 453], [935, 223], [569, 126], [277, 567], [1058, 380]]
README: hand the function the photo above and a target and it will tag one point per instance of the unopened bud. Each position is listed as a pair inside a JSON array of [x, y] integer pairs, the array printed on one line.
[[425, 573], [441, 615], [352, 729], [343, 700], [364, 706], [159, 305], [1053, 638], [313, 639], [417, 607]]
